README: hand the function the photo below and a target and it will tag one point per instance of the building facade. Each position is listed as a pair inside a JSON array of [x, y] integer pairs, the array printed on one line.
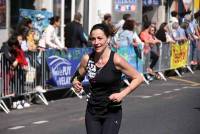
[[92, 11]]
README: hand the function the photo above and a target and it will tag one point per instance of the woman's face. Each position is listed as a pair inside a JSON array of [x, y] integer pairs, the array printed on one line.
[[58, 23], [30, 25], [99, 40], [19, 38], [166, 28], [152, 31]]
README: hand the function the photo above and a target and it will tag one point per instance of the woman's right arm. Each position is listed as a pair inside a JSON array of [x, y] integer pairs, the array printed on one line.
[[80, 74]]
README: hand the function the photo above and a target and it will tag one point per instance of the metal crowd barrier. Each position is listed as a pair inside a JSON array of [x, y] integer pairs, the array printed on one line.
[[171, 57], [174, 56], [19, 82], [55, 67]]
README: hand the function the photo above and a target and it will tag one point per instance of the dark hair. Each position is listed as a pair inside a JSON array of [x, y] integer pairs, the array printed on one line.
[[102, 27], [160, 34], [107, 16], [163, 25], [184, 25], [25, 22], [126, 16], [16, 34], [77, 16], [54, 19], [23, 26], [12, 41], [197, 14], [174, 13], [128, 25]]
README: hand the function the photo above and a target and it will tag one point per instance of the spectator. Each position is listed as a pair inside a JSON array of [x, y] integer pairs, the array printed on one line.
[[75, 36], [174, 18], [129, 37], [120, 24], [49, 37], [24, 26], [9, 61], [163, 33], [107, 19], [178, 32], [31, 43], [18, 59], [115, 39], [151, 44], [193, 35], [22, 42]]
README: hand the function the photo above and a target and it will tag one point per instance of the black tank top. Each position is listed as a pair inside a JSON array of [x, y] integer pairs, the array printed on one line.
[[104, 82]]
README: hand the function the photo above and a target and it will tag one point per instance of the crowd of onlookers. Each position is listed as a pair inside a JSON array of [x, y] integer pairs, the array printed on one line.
[[23, 41], [177, 30]]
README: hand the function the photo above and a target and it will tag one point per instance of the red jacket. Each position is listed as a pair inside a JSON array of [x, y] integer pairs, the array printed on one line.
[[21, 57]]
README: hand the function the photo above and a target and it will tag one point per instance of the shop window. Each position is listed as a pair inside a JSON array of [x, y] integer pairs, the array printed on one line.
[[14, 9]]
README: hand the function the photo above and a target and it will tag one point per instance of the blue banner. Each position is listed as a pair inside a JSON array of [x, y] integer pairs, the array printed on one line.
[[63, 64], [40, 19]]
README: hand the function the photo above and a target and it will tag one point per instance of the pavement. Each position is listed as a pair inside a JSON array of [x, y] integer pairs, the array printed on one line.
[[163, 107]]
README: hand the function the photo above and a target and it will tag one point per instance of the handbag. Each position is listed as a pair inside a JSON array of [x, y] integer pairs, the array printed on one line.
[[30, 74]]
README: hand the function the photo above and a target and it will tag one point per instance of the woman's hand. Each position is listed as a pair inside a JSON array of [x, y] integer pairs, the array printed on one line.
[[15, 63], [25, 68], [77, 85], [116, 97]]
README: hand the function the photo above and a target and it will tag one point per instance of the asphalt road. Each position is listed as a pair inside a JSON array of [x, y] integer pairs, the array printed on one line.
[[163, 107]]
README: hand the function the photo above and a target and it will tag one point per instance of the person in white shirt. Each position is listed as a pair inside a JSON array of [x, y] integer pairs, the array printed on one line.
[[49, 37], [115, 39], [120, 24], [173, 19]]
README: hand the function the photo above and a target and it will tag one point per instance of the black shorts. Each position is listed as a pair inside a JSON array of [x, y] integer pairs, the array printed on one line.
[[108, 123]]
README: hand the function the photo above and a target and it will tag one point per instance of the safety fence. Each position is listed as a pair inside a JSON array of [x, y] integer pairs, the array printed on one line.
[[170, 56], [53, 69]]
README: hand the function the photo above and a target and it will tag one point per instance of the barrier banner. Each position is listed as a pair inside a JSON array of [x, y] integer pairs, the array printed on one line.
[[179, 54], [63, 64], [165, 57], [132, 56], [198, 50]]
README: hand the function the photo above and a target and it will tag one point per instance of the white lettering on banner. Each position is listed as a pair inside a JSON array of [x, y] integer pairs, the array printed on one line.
[[63, 71], [63, 80], [66, 70]]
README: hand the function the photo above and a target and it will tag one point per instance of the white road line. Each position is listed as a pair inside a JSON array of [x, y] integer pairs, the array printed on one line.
[[194, 87], [185, 87], [40, 122], [16, 127], [143, 97], [167, 92], [157, 94], [177, 89]]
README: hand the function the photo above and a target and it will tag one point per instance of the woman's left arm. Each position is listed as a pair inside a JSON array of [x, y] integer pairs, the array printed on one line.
[[127, 69]]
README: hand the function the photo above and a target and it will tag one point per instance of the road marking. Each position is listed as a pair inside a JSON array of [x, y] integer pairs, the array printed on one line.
[[143, 97], [194, 87], [185, 87], [40, 122], [16, 127], [157, 94], [177, 89], [167, 92], [186, 81]]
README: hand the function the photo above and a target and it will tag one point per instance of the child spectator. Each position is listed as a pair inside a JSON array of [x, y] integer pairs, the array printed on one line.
[[20, 64]]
